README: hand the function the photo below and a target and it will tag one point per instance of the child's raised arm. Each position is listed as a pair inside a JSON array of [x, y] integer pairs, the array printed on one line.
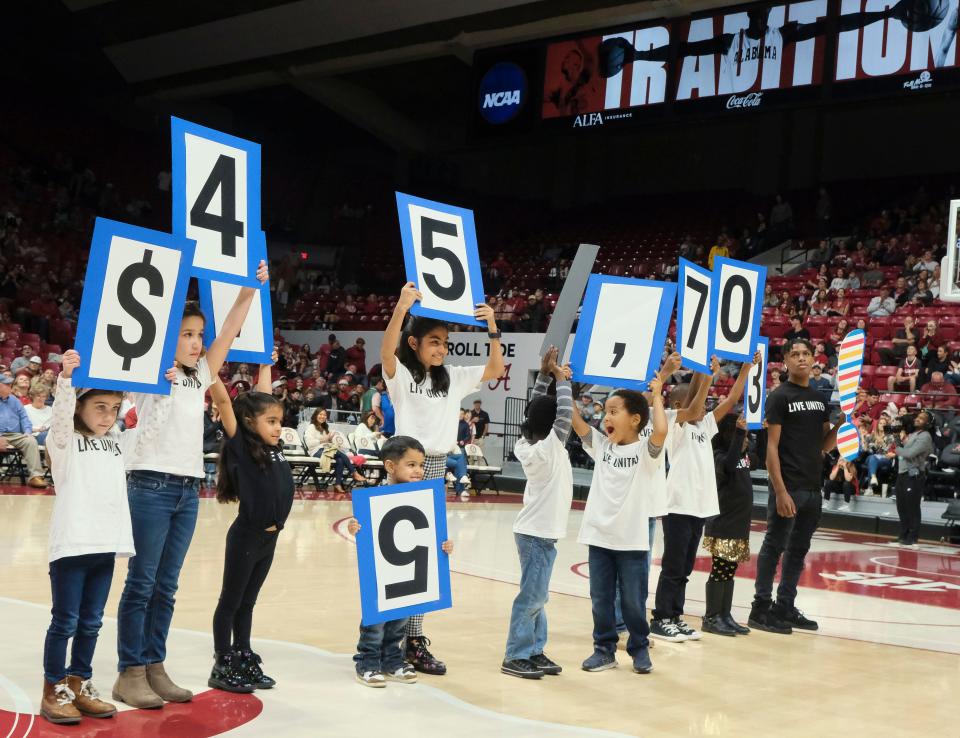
[[217, 353], [221, 398], [391, 336], [64, 403], [657, 414], [495, 365], [265, 377]]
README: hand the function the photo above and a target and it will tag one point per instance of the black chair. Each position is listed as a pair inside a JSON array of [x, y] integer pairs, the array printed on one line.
[[11, 465], [951, 515]]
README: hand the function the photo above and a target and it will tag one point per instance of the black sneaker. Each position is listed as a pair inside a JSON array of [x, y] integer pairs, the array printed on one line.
[[666, 630], [762, 618], [251, 662], [793, 617], [419, 656], [546, 665], [523, 668], [228, 675]]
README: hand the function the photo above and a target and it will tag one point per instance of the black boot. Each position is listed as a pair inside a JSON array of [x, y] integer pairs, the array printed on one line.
[[229, 675], [713, 622], [250, 663], [727, 608]]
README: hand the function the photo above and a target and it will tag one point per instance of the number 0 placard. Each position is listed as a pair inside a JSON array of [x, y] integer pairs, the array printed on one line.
[[694, 325], [216, 201], [735, 307], [441, 257], [403, 570], [756, 394], [622, 328], [133, 296]]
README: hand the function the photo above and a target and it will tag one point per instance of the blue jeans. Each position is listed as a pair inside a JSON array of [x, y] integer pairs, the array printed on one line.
[[457, 463], [621, 626], [80, 585], [629, 569], [877, 463], [528, 620], [163, 511], [379, 646], [41, 438]]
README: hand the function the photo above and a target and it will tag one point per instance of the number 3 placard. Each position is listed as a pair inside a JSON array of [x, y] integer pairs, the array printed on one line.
[[756, 395], [216, 201], [403, 570], [622, 329], [440, 252]]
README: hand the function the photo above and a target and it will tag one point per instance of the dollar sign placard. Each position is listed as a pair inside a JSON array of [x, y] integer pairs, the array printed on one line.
[[133, 296], [148, 326]]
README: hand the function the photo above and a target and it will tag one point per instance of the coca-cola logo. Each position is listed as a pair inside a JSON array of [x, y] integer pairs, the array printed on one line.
[[752, 100]]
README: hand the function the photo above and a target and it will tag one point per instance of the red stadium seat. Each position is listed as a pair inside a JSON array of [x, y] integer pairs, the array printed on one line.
[[880, 377]]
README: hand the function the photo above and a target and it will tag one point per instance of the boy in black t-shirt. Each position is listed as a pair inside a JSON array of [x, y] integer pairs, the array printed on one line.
[[798, 434]]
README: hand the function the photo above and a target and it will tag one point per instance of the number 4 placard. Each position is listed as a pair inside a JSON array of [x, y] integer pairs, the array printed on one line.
[[216, 201], [622, 328], [403, 570], [441, 257]]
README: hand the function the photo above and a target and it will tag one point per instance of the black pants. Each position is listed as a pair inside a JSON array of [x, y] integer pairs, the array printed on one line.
[[246, 564], [789, 537], [909, 496], [836, 487], [681, 538]]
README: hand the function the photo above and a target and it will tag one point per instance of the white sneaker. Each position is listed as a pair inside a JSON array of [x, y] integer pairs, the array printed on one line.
[[465, 481], [844, 508], [371, 679], [692, 634], [405, 675], [464, 495], [450, 478], [874, 482], [868, 492]]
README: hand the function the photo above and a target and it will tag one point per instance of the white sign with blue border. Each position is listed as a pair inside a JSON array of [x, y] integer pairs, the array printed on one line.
[[755, 403], [133, 296], [254, 344], [403, 570], [694, 325], [216, 201], [622, 329], [441, 258], [735, 307]]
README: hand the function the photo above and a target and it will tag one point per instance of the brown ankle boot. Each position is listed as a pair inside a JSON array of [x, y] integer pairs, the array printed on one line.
[[57, 704], [87, 698], [132, 689], [164, 686]]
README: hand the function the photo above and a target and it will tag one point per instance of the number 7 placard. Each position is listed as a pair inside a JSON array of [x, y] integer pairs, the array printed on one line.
[[403, 569], [216, 201], [441, 257], [694, 324]]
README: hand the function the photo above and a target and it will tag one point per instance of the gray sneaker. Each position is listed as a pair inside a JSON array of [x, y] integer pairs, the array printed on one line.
[[600, 661]]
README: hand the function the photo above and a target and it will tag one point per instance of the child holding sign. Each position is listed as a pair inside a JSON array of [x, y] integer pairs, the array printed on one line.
[[379, 658], [163, 485], [427, 395], [616, 518], [90, 527], [253, 472], [542, 451]]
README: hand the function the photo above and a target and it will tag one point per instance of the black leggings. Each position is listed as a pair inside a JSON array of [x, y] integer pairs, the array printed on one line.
[[723, 570], [838, 487], [246, 564]]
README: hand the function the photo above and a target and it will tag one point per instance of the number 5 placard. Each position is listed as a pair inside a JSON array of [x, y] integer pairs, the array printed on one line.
[[622, 329], [403, 570], [441, 257], [216, 201], [756, 396]]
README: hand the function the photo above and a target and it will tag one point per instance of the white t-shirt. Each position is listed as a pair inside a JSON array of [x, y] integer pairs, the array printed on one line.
[[549, 489], [39, 418], [90, 512], [179, 446], [617, 514], [692, 479], [431, 418], [658, 483]]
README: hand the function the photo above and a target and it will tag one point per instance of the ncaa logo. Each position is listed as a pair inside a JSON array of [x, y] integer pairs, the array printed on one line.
[[502, 93]]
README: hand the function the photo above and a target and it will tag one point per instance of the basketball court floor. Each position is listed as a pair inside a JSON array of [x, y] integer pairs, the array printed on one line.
[[885, 662]]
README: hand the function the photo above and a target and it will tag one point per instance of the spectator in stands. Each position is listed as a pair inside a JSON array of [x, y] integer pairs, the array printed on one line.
[[324, 352], [874, 276], [598, 414], [242, 374], [367, 435], [841, 480], [20, 363], [928, 341], [879, 443], [820, 303], [481, 422], [882, 305], [21, 387], [15, 433], [870, 405], [921, 294], [901, 292], [821, 382], [926, 262], [941, 392], [840, 305], [46, 381], [781, 220], [336, 360], [820, 280], [796, 330], [840, 281], [372, 397], [902, 339], [319, 441], [953, 372], [317, 397], [770, 299], [357, 355], [788, 306], [532, 320], [936, 362], [40, 414], [907, 373], [720, 248]]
